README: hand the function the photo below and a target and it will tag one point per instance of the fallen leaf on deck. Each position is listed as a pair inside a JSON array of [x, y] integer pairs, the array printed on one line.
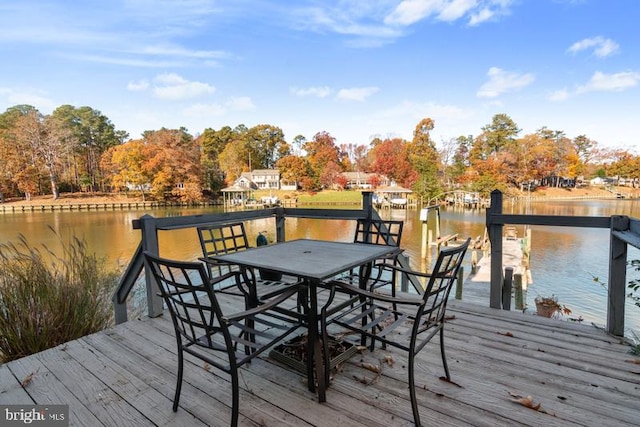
[[388, 359], [634, 361], [526, 401], [506, 334], [27, 380], [373, 368]]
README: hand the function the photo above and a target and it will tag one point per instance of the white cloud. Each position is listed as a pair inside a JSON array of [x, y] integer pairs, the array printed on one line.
[[501, 81], [356, 93], [378, 23], [204, 110], [138, 86], [179, 51], [610, 82], [28, 97], [601, 47], [411, 11], [600, 82], [241, 103], [361, 19], [559, 95], [456, 9], [475, 11], [173, 86], [481, 16], [317, 91]]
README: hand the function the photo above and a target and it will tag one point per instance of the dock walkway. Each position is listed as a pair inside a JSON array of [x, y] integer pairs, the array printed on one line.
[[499, 360], [476, 285]]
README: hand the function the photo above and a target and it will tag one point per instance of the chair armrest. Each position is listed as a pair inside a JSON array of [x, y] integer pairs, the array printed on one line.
[[224, 277], [265, 306], [408, 271], [208, 260], [334, 284]]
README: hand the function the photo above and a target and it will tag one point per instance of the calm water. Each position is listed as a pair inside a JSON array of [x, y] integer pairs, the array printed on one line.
[[564, 260]]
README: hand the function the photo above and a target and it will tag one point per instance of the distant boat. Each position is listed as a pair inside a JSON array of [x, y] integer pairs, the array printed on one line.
[[270, 201], [394, 196]]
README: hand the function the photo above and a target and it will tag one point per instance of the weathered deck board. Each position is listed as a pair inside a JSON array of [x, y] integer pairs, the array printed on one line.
[[126, 376], [10, 389]]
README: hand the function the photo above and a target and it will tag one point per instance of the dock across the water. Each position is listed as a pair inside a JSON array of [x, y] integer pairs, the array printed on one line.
[[515, 255]]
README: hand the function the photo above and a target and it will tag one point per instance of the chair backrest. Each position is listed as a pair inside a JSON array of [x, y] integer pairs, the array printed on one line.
[[441, 280], [378, 232], [222, 239], [194, 309]]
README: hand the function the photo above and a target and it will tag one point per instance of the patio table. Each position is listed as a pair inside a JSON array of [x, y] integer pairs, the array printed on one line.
[[312, 261]]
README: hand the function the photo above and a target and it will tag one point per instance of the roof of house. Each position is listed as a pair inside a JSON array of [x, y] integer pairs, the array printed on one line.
[[237, 189], [358, 175]]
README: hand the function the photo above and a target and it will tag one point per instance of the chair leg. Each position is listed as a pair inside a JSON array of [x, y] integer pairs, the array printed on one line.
[[326, 357], [412, 389], [176, 397], [235, 400], [393, 294], [442, 353]]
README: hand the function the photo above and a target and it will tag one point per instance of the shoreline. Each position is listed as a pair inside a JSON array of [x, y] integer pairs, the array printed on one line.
[[93, 199]]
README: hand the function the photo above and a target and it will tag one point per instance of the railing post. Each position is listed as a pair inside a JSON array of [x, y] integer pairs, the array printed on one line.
[[280, 228], [404, 282], [150, 243], [495, 237], [367, 203], [506, 288], [119, 311], [617, 277]]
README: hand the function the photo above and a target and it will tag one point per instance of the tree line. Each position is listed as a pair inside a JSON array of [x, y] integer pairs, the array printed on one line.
[[79, 149]]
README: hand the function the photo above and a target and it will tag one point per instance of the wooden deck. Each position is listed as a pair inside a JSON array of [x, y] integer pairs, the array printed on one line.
[[126, 376]]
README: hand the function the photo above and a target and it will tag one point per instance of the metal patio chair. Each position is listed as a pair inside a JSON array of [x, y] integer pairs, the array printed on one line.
[[407, 322], [206, 331], [375, 232], [228, 238]]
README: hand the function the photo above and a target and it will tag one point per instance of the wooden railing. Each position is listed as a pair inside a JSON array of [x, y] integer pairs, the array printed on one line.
[[624, 231], [149, 242]]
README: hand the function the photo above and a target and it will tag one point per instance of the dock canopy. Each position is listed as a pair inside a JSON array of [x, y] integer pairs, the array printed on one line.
[[236, 195]]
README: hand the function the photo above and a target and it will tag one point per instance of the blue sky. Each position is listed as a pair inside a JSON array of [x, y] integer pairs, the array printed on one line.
[[356, 69]]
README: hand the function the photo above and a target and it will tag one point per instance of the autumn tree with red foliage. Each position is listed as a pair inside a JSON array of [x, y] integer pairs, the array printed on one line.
[[391, 158], [321, 151]]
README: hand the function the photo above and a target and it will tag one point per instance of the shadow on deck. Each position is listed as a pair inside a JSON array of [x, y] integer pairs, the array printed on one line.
[[126, 376]]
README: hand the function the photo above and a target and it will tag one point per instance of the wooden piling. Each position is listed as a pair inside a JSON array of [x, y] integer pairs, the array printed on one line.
[[474, 261], [460, 282], [517, 289]]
